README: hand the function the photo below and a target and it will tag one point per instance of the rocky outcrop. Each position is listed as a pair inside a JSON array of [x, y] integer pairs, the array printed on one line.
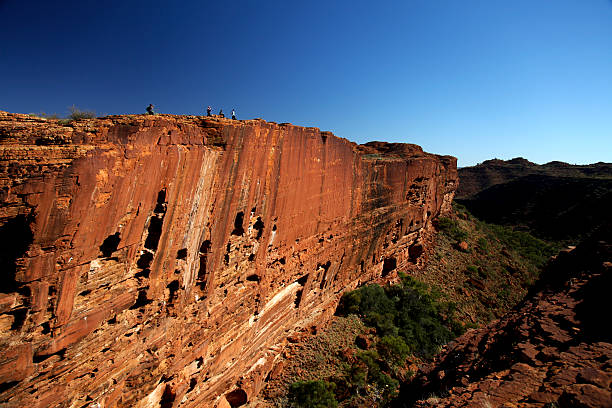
[[554, 350], [162, 261]]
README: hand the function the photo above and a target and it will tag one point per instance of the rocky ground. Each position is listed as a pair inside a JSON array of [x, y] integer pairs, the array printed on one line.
[[312, 357], [555, 350]]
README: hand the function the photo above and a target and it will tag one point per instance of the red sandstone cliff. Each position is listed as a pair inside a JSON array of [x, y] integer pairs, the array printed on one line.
[[162, 261]]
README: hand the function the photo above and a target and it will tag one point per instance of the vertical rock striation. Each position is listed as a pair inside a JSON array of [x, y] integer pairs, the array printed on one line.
[[162, 261]]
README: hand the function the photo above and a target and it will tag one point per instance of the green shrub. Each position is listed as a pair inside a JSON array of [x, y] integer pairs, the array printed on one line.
[[76, 113], [369, 362], [471, 270], [408, 310], [312, 394], [357, 375], [393, 350], [369, 359], [370, 299], [408, 319], [529, 247], [44, 115], [504, 293], [483, 245], [451, 228]]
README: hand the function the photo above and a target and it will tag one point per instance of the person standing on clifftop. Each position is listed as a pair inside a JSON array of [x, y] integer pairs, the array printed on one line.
[[221, 113], [150, 109], [233, 114], [208, 110]]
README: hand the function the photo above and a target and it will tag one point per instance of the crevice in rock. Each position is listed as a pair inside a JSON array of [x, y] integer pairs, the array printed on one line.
[[259, 227], [173, 287], [161, 205], [238, 221], [19, 317], [143, 273], [181, 253], [192, 383], [168, 397], [141, 300], [204, 251], [236, 398], [39, 358], [110, 245], [325, 268], [298, 295], [156, 222], [15, 238], [7, 386], [154, 233], [145, 260], [389, 264]]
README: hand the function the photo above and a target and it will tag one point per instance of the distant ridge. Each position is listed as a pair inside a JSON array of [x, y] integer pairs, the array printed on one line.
[[556, 200], [477, 178]]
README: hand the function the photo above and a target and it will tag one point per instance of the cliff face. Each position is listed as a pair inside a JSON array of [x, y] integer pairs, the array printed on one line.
[[162, 261]]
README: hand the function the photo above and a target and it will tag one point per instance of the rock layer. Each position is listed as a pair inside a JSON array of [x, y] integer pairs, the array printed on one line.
[[162, 261]]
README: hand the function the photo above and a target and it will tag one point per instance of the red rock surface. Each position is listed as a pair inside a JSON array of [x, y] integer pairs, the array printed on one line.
[[554, 350], [163, 261]]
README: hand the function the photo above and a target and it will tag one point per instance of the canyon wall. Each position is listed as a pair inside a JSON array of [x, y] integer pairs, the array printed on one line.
[[162, 261]]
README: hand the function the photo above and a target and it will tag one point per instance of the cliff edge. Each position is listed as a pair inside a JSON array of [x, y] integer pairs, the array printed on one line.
[[162, 261]]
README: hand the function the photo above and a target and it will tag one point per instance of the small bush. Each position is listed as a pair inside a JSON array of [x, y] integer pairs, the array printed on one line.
[[533, 249], [483, 273], [44, 115], [369, 369], [451, 228], [393, 350], [312, 394], [408, 310], [504, 293], [471, 270], [483, 245], [76, 113]]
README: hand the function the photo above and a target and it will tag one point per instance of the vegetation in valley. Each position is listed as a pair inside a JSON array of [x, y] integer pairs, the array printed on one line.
[[485, 269], [312, 394], [380, 335], [555, 208], [407, 316], [388, 329]]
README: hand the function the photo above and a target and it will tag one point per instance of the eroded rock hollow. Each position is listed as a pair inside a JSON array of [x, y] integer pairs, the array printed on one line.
[[163, 261]]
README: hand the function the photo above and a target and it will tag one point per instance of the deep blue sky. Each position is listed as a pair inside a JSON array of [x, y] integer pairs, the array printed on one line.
[[477, 79]]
